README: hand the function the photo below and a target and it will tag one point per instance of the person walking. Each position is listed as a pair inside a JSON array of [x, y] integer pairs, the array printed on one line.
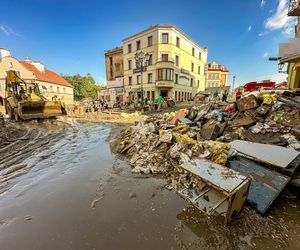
[[216, 94], [159, 102], [224, 96]]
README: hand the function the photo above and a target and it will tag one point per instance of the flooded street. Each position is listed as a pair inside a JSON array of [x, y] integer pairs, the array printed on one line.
[[73, 193]]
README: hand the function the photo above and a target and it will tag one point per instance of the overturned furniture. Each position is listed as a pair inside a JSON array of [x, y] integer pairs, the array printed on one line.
[[221, 191]]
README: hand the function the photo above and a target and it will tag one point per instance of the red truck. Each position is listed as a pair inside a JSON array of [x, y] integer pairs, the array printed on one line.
[[250, 86]]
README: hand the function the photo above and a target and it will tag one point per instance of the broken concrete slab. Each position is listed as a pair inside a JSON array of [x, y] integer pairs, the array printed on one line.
[[246, 121], [266, 184], [248, 102], [266, 138], [210, 132]]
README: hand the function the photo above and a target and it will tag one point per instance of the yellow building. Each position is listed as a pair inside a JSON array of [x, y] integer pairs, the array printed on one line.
[[292, 53], [176, 67], [293, 70], [216, 75]]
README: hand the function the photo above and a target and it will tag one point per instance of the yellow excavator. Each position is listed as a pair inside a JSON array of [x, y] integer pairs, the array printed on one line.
[[24, 100]]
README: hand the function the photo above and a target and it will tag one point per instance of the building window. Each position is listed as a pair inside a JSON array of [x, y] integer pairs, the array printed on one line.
[[129, 64], [129, 48], [57, 89], [150, 78], [192, 67], [129, 80], [176, 78], [64, 89], [192, 82], [177, 42], [193, 51], [199, 70], [51, 88], [138, 79], [138, 45], [198, 83], [111, 66], [199, 55], [165, 74], [165, 57], [165, 38], [153, 95], [150, 60], [10, 65], [150, 41], [177, 61]]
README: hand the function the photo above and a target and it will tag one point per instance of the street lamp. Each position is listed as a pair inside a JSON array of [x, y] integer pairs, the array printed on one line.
[[141, 61]]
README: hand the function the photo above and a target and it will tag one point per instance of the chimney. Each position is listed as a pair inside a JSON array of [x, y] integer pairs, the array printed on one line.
[[28, 59], [4, 53]]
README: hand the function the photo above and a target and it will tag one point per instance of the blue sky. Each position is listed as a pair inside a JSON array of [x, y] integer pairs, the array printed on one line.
[[70, 36]]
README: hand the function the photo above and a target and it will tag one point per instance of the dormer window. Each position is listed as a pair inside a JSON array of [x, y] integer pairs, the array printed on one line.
[[10, 65]]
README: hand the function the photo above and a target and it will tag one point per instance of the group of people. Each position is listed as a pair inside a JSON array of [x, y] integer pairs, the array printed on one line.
[[224, 96]]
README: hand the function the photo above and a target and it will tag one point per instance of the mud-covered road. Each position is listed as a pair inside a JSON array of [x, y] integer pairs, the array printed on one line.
[[62, 188]]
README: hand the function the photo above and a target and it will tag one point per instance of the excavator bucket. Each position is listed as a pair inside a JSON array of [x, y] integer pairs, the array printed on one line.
[[39, 109]]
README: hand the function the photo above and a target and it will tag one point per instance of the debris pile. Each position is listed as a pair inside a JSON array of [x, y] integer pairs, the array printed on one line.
[[164, 143]]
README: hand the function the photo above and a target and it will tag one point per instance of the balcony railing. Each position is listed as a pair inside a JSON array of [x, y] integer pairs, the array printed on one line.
[[294, 8], [162, 59]]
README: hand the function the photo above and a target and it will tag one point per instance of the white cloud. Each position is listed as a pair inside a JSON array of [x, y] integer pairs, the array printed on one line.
[[250, 28], [262, 3], [263, 33], [280, 19], [266, 55], [8, 31]]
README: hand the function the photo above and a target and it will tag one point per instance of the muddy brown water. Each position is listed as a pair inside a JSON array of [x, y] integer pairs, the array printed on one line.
[[77, 195]]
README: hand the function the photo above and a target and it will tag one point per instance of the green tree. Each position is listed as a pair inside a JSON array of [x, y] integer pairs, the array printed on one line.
[[84, 86]]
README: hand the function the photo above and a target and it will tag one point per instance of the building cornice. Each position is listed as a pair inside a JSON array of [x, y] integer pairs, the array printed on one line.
[[165, 26]]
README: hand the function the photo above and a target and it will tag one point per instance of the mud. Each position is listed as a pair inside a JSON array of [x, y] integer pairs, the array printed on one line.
[[75, 194]]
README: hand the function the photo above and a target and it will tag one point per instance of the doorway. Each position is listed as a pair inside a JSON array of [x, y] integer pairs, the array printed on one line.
[[164, 93]]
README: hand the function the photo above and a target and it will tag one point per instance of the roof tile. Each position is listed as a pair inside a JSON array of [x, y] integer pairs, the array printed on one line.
[[47, 75]]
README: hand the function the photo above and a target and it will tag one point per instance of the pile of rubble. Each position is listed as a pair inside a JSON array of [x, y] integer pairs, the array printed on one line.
[[162, 144]]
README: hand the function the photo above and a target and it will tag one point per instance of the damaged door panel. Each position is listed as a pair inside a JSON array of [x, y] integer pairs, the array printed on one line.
[[223, 191], [266, 184], [270, 154]]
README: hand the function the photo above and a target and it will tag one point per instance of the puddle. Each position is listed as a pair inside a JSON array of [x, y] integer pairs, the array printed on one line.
[[76, 195]]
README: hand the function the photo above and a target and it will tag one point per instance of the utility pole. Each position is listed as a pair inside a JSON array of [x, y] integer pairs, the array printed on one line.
[[233, 80]]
